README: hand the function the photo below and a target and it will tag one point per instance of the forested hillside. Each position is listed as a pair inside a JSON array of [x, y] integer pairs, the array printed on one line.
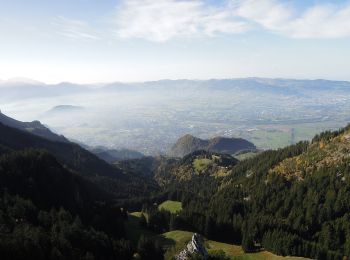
[[47, 212], [60, 201], [292, 201], [53, 211]]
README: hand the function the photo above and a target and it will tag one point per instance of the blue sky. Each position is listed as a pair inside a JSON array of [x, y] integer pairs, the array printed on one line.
[[137, 40]]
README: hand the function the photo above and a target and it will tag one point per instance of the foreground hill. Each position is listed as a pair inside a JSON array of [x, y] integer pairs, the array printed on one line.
[[188, 144]]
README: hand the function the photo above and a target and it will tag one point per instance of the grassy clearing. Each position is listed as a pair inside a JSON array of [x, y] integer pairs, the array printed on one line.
[[230, 250], [244, 156], [201, 165], [177, 236], [171, 206], [174, 242], [264, 255]]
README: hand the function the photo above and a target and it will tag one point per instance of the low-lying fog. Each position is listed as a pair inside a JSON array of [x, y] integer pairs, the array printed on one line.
[[149, 117]]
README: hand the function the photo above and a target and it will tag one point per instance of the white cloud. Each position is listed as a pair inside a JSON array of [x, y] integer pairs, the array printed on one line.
[[319, 21], [74, 29], [162, 20], [268, 13], [325, 21]]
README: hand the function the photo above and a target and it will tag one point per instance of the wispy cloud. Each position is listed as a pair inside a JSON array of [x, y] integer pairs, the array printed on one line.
[[74, 29], [327, 21], [319, 21], [270, 14], [163, 20]]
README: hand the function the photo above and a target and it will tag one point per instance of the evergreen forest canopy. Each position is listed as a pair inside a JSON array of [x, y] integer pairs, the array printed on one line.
[[59, 201]]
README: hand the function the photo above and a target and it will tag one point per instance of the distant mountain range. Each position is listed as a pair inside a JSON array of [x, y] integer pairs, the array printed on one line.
[[26, 88], [188, 144]]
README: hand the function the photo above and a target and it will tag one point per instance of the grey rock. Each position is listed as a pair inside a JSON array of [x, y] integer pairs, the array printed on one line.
[[195, 246]]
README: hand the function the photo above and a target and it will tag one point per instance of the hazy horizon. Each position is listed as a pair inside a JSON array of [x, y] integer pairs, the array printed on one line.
[[35, 81]]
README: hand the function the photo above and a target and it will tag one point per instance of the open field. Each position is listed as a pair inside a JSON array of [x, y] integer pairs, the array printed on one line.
[[246, 155], [201, 164], [171, 206]]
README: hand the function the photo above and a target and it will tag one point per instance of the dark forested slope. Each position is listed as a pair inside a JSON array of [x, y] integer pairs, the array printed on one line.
[[34, 127], [48, 212], [80, 160]]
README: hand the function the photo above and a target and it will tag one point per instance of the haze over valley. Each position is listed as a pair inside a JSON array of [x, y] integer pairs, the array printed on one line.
[[149, 117]]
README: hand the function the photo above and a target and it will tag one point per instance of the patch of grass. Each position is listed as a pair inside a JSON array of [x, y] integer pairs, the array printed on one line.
[[174, 242], [244, 156], [264, 255], [230, 250], [178, 235], [171, 206], [201, 165]]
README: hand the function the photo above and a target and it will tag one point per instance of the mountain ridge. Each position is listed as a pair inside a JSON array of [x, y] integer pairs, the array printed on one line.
[[34, 127], [73, 156]]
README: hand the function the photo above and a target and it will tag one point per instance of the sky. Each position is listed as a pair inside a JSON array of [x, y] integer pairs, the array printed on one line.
[[88, 41]]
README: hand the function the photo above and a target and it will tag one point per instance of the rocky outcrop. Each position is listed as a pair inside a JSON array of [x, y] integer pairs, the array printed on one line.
[[195, 246]]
